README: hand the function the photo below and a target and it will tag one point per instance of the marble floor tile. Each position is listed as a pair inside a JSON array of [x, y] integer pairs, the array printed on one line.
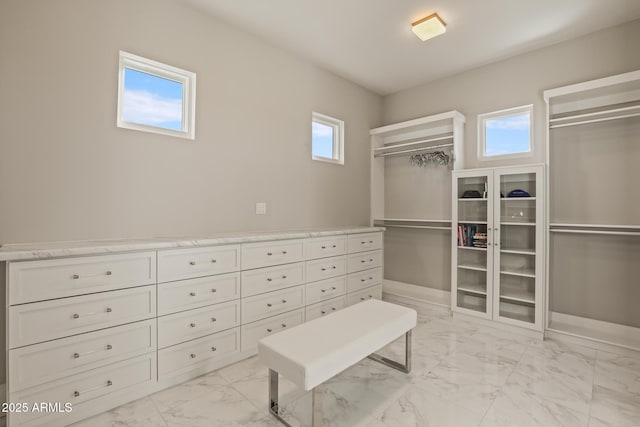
[[516, 406], [616, 372], [616, 407], [186, 392], [139, 413], [417, 408]]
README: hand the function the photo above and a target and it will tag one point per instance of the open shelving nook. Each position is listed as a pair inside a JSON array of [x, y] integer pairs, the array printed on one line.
[[594, 211], [497, 270], [411, 164]]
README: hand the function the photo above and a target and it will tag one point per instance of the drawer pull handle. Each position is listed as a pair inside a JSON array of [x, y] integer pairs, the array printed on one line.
[[193, 325], [323, 290], [323, 312], [333, 309], [77, 393], [269, 330], [323, 269], [333, 288], [77, 316], [323, 247], [213, 261], [269, 304], [284, 277], [284, 325], [213, 319], [214, 290], [213, 349], [86, 353], [333, 266], [333, 246], [107, 273], [362, 298], [193, 356], [193, 294], [284, 252], [192, 263], [269, 279], [269, 253], [284, 301]]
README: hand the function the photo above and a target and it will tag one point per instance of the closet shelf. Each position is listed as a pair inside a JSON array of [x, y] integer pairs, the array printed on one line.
[[433, 221], [423, 227], [518, 251], [519, 296], [473, 222], [472, 267], [472, 199], [514, 199], [388, 151], [613, 113], [472, 248], [473, 288], [617, 226], [529, 274], [527, 224]]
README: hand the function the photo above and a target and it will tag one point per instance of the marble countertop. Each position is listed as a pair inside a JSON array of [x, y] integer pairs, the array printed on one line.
[[29, 251]]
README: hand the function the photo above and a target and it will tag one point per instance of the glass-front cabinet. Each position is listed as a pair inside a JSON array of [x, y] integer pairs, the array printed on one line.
[[497, 248]]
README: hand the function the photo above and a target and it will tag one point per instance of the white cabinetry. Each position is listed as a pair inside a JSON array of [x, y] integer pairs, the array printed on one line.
[[99, 331], [497, 244]]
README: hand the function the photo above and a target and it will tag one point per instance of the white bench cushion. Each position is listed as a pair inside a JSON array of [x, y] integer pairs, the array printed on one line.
[[311, 353]]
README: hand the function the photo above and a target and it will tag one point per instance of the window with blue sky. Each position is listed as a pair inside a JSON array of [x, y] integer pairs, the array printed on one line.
[[152, 100], [327, 138], [155, 97], [506, 133]]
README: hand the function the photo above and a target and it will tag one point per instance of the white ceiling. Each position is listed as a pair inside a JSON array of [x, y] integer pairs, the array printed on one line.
[[370, 41]]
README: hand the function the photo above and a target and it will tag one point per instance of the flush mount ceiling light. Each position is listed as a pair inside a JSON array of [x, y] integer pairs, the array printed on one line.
[[429, 27]]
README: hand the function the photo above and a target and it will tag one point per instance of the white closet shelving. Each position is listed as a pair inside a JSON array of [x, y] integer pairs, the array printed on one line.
[[411, 164], [497, 269], [594, 211]]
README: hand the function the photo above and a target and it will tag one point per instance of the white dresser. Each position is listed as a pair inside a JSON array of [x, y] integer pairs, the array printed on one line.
[[98, 331]]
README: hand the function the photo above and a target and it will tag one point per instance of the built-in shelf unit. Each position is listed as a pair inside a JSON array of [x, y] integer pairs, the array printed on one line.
[[497, 269], [411, 164], [594, 211]]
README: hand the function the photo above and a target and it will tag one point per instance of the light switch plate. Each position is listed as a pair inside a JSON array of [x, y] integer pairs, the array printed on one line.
[[261, 208]]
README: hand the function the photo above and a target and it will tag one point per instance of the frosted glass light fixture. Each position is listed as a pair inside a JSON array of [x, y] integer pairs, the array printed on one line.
[[429, 27]]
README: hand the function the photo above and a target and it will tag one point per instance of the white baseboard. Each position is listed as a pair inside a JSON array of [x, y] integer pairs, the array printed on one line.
[[496, 324], [606, 336], [419, 293]]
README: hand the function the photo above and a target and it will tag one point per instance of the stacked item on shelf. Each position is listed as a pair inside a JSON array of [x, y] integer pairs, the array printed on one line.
[[468, 235]]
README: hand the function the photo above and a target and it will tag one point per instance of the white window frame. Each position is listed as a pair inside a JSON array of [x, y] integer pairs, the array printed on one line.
[[338, 138], [482, 134], [155, 68]]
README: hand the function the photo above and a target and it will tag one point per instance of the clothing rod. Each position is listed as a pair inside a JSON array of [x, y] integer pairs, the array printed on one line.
[[608, 233], [410, 144], [394, 153], [426, 227], [629, 227], [604, 119], [595, 113]]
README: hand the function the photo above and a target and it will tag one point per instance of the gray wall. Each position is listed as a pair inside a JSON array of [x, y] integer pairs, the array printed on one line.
[[67, 172], [513, 82]]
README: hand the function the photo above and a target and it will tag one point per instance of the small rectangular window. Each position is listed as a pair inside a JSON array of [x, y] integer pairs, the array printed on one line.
[[505, 133], [155, 97], [327, 139]]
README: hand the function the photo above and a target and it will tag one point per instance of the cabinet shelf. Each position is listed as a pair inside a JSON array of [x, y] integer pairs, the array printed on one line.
[[472, 267], [519, 273], [519, 296], [473, 222], [473, 288], [472, 248], [472, 199], [513, 199], [526, 224], [515, 251]]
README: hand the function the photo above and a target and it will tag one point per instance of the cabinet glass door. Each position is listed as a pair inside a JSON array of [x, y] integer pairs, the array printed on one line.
[[517, 240], [472, 243]]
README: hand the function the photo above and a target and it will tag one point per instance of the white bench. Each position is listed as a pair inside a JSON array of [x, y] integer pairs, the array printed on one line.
[[312, 353]]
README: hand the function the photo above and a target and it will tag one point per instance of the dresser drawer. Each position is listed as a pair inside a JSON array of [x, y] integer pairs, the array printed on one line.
[[374, 292], [31, 281], [52, 360], [194, 293], [325, 268], [325, 289], [272, 278], [364, 279], [194, 354], [364, 242], [188, 325], [264, 254], [265, 305], [325, 307], [178, 264], [252, 332], [85, 388], [47, 320], [364, 261], [322, 247]]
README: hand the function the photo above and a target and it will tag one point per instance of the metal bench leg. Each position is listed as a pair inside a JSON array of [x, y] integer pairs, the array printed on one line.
[[406, 368], [316, 407], [273, 397]]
